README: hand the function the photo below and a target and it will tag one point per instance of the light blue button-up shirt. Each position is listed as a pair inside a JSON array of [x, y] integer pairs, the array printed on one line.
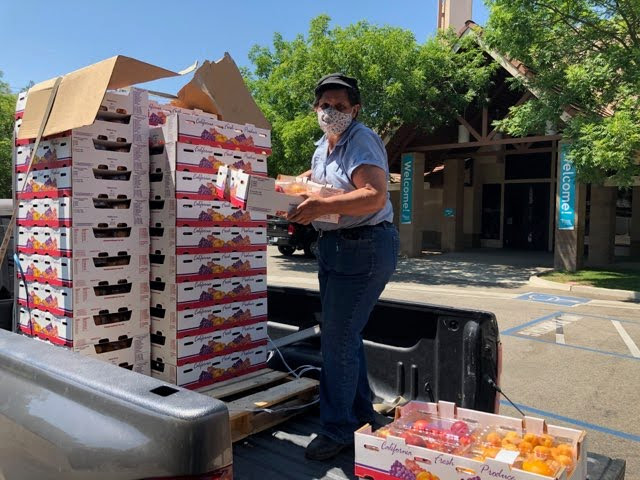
[[358, 145]]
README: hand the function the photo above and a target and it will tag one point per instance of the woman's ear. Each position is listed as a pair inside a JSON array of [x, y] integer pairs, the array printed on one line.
[[356, 111]]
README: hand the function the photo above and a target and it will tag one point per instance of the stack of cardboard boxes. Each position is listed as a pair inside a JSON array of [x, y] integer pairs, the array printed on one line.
[[82, 233], [208, 258]]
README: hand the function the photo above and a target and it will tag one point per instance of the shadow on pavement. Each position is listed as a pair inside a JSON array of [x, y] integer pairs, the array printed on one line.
[[471, 268]]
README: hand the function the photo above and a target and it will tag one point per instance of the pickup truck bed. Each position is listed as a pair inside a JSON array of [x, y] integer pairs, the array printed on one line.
[[65, 416]]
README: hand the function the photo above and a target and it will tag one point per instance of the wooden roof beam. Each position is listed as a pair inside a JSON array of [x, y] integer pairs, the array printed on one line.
[[487, 143]]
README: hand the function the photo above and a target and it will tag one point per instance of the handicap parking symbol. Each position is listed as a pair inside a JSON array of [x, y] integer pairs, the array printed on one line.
[[553, 299]]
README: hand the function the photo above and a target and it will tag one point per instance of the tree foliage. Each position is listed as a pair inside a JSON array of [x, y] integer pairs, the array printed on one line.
[[401, 81], [585, 58], [7, 109]]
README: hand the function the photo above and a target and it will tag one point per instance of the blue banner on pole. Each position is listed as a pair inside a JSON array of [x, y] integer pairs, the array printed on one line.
[[406, 188], [566, 191]]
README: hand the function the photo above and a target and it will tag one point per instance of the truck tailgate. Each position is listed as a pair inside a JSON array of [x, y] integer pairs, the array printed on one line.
[[67, 416]]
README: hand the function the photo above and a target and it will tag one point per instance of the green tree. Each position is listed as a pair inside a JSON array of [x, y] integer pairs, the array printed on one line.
[[585, 59], [7, 109], [401, 81]]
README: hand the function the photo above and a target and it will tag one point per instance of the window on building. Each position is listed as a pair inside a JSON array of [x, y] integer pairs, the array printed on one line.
[[527, 166]]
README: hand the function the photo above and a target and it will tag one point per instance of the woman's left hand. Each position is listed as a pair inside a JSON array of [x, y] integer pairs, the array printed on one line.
[[307, 211]]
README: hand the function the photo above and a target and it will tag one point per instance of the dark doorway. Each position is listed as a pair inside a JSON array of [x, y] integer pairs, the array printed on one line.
[[491, 202], [526, 216]]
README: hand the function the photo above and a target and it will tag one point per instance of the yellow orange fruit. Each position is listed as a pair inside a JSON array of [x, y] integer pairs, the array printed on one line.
[[537, 466], [525, 447], [546, 440], [565, 449], [564, 460], [491, 452], [513, 436], [531, 438], [424, 476], [494, 438], [542, 452]]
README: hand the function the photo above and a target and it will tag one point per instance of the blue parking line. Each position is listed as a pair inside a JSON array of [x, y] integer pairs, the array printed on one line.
[[512, 330], [574, 421], [593, 350]]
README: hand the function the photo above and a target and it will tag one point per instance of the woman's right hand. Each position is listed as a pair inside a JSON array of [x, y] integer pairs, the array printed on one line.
[[306, 174]]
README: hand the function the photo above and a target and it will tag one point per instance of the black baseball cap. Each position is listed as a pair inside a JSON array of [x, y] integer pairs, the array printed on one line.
[[336, 80]]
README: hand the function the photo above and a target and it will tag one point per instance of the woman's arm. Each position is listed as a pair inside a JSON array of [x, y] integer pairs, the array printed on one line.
[[369, 196], [306, 174]]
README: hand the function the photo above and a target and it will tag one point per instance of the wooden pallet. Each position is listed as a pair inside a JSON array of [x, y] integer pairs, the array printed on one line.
[[248, 396]]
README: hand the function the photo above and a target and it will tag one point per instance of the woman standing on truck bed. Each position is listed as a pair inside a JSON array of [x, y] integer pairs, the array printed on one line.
[[356, 256]]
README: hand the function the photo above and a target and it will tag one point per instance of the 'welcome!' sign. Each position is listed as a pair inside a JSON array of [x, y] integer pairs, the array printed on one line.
[[566, 191], [406, 188]]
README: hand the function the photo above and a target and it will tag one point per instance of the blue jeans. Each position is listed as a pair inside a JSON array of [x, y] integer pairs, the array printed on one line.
[[354, 267]]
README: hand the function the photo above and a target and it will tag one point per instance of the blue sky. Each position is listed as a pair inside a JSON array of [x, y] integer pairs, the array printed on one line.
[[42, 39]]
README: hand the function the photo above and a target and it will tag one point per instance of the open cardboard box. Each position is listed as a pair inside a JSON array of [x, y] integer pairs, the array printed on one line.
[[216, 88], [259, 194], [375, 455]]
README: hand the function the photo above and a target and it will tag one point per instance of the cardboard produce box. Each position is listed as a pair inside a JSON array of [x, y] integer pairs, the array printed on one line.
[[259, 194], [131, 352], [178, 324], [191, 158], [204, 158], [435, 450], [207, 293], [64, 271], [216, 369], [21, 102], [184, 185], [56, 329], [200, 213], [45, 241], [192, 240], [77, 332], [83, 182], [158, 113], [81, 242], [200, 130], [109, 294], [197, 348], [53, 153], [205, 266]]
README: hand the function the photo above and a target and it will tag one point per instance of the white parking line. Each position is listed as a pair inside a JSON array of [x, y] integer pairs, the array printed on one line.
[[633, 348]]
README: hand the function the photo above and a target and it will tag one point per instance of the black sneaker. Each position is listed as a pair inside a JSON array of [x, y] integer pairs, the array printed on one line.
[[323, 448]]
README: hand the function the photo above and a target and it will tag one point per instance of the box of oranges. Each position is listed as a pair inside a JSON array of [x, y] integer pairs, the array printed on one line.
[[433, 441]]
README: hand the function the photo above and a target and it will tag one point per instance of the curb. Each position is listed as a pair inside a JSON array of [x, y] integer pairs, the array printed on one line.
[[624, 295]]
